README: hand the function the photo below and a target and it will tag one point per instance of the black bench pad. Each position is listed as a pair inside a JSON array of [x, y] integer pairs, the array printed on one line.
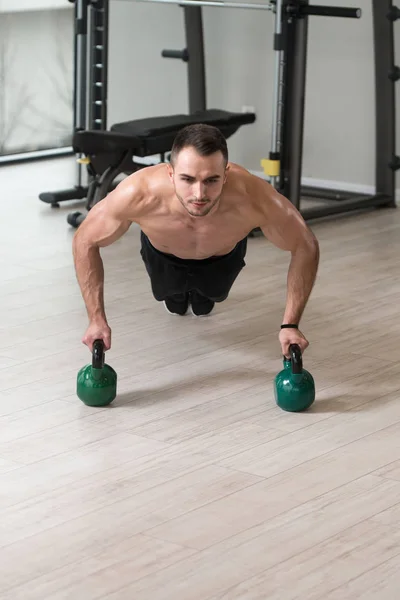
[[154, 135]]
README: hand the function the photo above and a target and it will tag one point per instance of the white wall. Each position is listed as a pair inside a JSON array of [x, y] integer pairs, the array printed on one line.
[[339, 126], [339, 123], [141, 83]]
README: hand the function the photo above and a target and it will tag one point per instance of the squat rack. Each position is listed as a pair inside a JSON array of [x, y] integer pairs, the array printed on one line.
[[284, 164], [292, 117]]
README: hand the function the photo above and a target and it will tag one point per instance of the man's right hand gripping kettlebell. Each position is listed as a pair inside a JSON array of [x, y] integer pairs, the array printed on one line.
[[97, 330]]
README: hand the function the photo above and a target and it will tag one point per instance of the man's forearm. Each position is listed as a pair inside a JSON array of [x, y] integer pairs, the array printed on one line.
[[301, 277], [90, 275]]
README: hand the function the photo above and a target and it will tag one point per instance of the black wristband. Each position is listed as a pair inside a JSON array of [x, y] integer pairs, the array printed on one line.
[[289, 326]]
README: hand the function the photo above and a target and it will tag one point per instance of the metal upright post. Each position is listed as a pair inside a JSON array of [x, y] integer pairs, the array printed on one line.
[[81, 78], [196, 60], [81, 8], [386, 76], [97, 65], [80, 101], [295, 31], [271, 165]]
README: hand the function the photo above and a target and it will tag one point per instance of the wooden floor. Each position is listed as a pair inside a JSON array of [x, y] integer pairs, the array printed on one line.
[[193, 485]]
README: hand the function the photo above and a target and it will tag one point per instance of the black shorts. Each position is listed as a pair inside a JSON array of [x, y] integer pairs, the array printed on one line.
[[212, 277]]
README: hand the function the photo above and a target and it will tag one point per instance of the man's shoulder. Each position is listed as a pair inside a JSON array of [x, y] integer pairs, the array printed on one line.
[[141, 191], [244, 174], [147, 177], [249, 184]]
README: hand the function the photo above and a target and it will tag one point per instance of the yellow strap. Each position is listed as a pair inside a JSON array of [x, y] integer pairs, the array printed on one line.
[[271, 167], [83, 161]]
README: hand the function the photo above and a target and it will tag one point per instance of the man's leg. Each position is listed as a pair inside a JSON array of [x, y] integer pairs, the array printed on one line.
[[168, 278], [214, 279], [200, 306], [177, 304]]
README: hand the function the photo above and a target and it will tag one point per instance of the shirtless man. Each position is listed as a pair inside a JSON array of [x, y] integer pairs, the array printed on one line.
[[195, 214]]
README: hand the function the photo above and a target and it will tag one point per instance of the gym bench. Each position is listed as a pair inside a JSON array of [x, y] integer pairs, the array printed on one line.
[[109, 153]]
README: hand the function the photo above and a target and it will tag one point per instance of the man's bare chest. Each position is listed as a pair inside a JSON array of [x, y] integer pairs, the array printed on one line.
[[195, 240]]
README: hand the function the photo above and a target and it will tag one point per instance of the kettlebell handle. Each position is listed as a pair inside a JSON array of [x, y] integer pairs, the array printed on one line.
[[98, 354], [296, 359]]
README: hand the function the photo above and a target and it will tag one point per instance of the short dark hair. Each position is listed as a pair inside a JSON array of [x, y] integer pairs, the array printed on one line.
[[205, 139]]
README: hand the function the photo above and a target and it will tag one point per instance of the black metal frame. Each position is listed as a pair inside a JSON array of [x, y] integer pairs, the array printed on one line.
[[98, 65], [385, 98], [294, 36], [386, 74], [90, 83], [196, 61], [91, 76], [90, 109], [294, 39]]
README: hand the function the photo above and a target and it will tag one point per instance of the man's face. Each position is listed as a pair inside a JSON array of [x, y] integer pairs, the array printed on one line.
[[198, 180]]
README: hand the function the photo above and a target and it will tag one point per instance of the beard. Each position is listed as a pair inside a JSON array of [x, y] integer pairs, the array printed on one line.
[[197, 211]]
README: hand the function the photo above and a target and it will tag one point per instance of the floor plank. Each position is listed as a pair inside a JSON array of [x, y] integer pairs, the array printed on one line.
[[286, 537], [328, 565]]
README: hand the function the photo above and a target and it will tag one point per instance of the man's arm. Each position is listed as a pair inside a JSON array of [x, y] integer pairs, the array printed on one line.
[[285, 228], [105, 223]]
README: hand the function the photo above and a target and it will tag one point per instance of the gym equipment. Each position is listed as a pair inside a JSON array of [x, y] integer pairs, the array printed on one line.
[[96, 384], [106, 154], [218, 3], [284, 165], [294, 387], [122, 149]]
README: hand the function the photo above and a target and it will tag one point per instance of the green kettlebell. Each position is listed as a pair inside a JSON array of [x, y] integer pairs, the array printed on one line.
[[97, 383], [294, 386]]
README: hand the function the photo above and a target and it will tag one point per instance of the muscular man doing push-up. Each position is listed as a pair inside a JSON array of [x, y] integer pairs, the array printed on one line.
[[195, 214]]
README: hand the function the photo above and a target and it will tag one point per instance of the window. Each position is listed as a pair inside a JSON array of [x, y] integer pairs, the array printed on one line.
[[36, 75], [18, 5]]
